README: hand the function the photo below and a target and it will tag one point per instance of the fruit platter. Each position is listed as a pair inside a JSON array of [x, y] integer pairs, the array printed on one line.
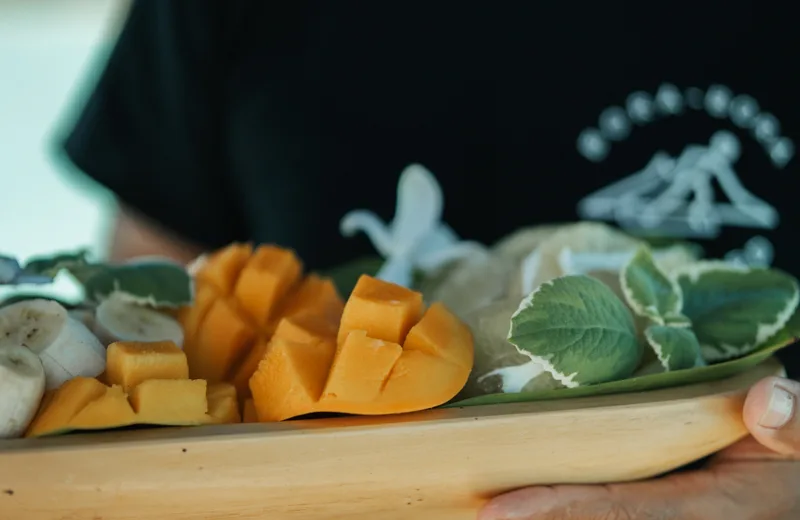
[[414, 384]]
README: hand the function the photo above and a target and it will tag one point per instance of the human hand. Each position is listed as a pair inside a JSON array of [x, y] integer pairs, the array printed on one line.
[[757, 478]]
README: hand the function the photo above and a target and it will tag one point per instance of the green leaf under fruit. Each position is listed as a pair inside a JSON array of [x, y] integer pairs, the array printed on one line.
[[76, 263], [677, 348], [19, 297], [578, 330], [150, 283], [9, 269], [677, 320], [735, 310], [648, 290], [789, 335], [41, 270]]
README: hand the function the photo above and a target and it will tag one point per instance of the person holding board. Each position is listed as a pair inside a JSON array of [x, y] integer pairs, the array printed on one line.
[[214, 122]]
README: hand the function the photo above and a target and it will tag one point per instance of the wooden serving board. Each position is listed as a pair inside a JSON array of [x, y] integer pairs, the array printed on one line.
[[434, 465]]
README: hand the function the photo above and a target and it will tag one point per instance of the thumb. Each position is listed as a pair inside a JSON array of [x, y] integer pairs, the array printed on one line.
[[770, 413]]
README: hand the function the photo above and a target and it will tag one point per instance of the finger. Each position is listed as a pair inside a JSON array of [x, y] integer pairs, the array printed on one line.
[[657, 500], [748, 449], [770, 413]]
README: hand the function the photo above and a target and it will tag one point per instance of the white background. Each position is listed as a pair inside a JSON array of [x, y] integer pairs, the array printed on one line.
[[50, 51]]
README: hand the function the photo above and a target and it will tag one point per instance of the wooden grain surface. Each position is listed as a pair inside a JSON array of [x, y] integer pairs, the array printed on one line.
[[434, 465]]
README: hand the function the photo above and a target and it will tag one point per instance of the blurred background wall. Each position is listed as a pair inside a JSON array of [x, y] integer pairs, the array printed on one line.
[[50, 52]]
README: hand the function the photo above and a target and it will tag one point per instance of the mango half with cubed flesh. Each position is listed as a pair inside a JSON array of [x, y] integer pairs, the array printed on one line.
[[389, 355], [241, 296]]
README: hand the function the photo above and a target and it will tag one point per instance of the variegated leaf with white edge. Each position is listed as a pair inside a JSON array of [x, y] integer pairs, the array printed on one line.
[[151, 282], [735, 309], [648, 291], [9, 270], [577, 329], [676, 348]]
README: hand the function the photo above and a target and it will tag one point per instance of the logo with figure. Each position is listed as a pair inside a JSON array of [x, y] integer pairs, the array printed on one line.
[[675, 195]]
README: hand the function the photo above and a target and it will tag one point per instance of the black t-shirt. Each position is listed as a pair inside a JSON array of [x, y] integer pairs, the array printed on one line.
[[268, 121]]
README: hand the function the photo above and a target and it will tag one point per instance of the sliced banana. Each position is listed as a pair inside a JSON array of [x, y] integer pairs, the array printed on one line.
[[120, 320], [85, 316], [22, 382], [65, 346]]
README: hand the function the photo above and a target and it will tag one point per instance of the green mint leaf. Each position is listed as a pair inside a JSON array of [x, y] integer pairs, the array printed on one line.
[[578, 330], [677, 320], [53, 264], [648, 290], [734, 310], [648, 379], [677, 348], [156, 283], [9, 270]]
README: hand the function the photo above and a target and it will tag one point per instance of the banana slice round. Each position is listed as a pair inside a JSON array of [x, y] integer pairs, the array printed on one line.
[[120, 320], [22, 382], [65, 346], [85, 316]]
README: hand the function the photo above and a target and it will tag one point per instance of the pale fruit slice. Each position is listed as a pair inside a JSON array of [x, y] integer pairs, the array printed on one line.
[[120, 320], [22, 383], [65, 346]]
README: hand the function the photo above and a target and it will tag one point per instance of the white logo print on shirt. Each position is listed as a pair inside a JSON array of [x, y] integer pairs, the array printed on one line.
[[675, 195]]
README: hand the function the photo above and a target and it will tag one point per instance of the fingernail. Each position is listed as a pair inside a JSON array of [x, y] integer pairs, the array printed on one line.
[[780, 410]]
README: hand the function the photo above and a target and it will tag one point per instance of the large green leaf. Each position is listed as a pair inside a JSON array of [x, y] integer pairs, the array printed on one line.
[[649, 292], [42, 270], [577, 330], [76, 263], [735, 310], [9, 269], [789, 335], [19, 297], [676, 347], [144, 282]]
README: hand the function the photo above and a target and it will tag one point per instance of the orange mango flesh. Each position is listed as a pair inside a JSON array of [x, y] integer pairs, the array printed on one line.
[[302, 326], [220, 339], [265, 343], [128, 363], [265, 280], [222, 268], [317, 296], [219, 391], [223, 406], [249, 414], [360, 368], [245, 371], [157, 395], [191, 317], [242, 296], [170, 401], [385, 311], [441, 335], [56, 413], [388, 356], [112, 407], [290, 378]]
